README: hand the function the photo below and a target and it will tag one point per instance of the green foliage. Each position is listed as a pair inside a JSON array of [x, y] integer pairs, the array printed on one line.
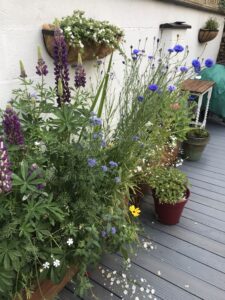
[[198, 133], [169, 184], [66, 209], [80, 30], [211, 24]]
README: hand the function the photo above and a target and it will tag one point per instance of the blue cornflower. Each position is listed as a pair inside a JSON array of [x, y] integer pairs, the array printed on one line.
[[140, 98], [183, 69], [104, 168], [113, 230], [135, 51], [209, 63], [113, 164], [170, 50], [104, 234], [150, 57], [95, 121], [178, 48], [171, 88], [197, 65], [117, 179], [153, 87], [135, 138], [91, 162]]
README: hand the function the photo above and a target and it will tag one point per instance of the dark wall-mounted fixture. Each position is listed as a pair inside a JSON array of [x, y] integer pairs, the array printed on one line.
[[175, 25]]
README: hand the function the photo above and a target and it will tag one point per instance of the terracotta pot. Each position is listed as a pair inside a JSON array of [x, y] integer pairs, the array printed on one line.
[[206, 35], [170, 214], [90, 51], [49, 290], [169, 155]]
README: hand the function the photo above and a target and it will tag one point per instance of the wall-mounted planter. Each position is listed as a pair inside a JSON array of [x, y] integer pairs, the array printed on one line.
[[206, 35], [90, 51]]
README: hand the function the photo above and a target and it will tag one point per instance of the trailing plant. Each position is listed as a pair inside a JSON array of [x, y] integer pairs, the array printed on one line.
[[79, 30], [198, 133]]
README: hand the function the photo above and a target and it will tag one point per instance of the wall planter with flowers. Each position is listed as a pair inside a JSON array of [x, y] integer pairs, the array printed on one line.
[[91, 38], [209, 32], [170, 193]]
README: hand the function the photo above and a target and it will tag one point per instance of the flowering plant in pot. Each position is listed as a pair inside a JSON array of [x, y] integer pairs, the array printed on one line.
[[62, 190], [170, 193], [195, 143], [89, 37], [209, 32]]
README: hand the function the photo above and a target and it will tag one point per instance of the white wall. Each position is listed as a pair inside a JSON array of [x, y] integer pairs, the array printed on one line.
[[21, 21]]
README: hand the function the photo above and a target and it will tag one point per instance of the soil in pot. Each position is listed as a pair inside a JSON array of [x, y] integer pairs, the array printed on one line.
[[194, 146], [170, 214]]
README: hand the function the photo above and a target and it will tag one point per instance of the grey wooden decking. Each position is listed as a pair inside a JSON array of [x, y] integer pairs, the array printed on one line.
[[187, 260]]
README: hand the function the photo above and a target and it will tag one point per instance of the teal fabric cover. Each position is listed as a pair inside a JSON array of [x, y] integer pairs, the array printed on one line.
[[216, 74]]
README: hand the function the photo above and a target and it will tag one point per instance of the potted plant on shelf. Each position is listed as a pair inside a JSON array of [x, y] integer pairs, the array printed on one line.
[[91, 38], [170, 193], [209, 32], [195, 143]]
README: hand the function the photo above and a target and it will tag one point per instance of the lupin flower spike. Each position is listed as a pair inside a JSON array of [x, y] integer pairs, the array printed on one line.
[[22, 70], [41, 68], [5, 171], [80, 75], [12, 127]]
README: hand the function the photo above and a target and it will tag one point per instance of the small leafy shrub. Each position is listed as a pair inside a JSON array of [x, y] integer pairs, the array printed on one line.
[[169, 184], [211, 24], [198, 133]]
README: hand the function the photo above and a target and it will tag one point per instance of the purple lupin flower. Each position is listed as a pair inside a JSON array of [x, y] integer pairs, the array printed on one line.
[[12, 127], [5, 171], [80, 74], [41, 68], [61, 69]]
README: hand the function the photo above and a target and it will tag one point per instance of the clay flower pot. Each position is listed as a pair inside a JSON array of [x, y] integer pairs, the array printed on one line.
[[170, 214], [206, 35], [47, 290], [90, 51]]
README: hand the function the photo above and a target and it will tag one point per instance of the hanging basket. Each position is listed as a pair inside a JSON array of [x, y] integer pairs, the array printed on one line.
[[91, 50], [206, 35]]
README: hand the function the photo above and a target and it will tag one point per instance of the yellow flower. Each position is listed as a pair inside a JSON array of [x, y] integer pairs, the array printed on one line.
[[134, 210]]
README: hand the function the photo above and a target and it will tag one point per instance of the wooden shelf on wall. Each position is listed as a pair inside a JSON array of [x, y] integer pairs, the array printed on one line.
[[205, 5]]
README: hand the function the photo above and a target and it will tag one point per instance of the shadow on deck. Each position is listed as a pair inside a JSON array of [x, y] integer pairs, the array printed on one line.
[[186, 261]]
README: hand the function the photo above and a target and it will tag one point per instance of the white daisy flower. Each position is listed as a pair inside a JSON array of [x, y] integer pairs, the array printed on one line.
[[46, 265], [56, 263], [69, 242]]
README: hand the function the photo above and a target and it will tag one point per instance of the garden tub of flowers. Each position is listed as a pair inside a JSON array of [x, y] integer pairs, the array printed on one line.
[[91, 38]]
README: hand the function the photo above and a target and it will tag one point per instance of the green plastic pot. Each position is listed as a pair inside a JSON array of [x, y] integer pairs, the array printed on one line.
[[193, 147]]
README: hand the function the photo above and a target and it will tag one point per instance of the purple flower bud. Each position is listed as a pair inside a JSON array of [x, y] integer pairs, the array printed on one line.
[[22, 70], [104, 234], [104, 168], [12, 127], [92, 162], [183, 69], [5, 171], [80, 76], [135, 138], [171, 88], [209, 63], [95, 121], [113, 164], [113, 230], [140, 98]]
